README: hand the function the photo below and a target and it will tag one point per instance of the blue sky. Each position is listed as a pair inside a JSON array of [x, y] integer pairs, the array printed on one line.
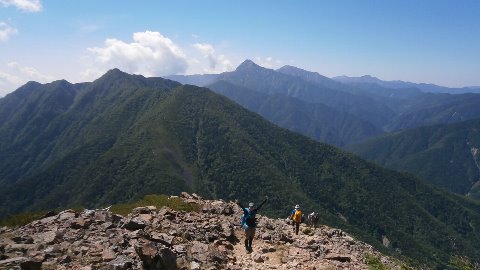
[[420, 41]]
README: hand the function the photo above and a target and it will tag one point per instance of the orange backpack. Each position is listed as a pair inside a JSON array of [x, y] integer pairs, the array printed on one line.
[[297, 217]]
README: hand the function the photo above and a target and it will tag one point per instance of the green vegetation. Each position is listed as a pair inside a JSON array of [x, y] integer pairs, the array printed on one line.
[[125, 136], [21, 219], [158, 201], [307, 231], [462, 263], [315, 120], [442, 155], [374, 263]]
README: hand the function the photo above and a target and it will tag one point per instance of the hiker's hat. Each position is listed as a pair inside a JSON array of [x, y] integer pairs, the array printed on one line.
[[250, 204], [297, 206]]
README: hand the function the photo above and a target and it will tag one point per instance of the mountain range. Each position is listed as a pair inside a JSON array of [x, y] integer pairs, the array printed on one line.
[[424, 87], [124, 136], [386, 108], [341, 111]]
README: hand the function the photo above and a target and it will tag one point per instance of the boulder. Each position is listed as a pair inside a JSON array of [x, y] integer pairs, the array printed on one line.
[[135, 224], [79, 223], [228, 210], [66, 215], [155, 256], [266, 236], [144, 210], [121, 262], [258, 258], [199, 251], [194, 265], [48, 237], [162, 238], [108, 254]]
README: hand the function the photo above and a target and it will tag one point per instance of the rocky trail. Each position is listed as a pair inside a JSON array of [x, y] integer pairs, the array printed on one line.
[[151, 238]]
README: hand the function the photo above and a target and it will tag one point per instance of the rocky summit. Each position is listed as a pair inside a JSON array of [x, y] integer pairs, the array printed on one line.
[[151, 238]]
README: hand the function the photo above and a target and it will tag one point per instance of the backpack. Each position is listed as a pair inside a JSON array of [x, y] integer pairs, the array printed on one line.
[[298, 216], [249, 219]]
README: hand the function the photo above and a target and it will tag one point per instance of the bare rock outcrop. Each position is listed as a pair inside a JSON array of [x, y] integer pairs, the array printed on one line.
[[151, 238]]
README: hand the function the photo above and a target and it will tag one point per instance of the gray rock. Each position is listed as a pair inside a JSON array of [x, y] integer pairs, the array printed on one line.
[[144, 210], [155, 256], [258, 258], [21, 248], [266, 236], [166, 213], [66, 215], [199, 251], [194, 265], [162, 238], [108, 254], [134, 224], [228, 211], [22, 239], [285, 238], [65, 259], [48, 237], [121, 262], [4, 264]]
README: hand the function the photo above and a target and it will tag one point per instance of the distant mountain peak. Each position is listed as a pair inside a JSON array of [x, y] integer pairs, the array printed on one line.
[[361, 79], [296, 70], [289, 67], [247, 65], [115, 72], [60, 83], [369, 77]]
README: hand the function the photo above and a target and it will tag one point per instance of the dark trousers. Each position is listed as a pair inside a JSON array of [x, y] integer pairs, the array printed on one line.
[[249, 234], [296, 226]]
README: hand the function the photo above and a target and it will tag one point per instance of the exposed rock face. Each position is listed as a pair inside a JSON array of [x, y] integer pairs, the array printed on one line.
[[151, 238]]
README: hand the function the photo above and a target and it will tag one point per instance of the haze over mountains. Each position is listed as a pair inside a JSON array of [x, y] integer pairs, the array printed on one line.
[[424, 87], [384, 108], [124, 136]]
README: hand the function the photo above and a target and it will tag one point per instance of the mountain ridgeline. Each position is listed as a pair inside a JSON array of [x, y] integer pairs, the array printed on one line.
[[124, 136], [370, 106]]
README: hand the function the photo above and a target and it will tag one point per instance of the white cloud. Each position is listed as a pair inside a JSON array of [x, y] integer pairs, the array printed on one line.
[[216, 62], [17, 75], [8, 79], [30, 73], [268, 62], [24, 5], [6, 31], [90, 74], [150, 54]]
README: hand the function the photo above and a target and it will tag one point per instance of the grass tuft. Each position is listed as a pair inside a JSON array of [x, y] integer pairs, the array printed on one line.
[[374, 263]]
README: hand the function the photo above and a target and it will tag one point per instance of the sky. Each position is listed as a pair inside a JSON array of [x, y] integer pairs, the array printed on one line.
[[431, 41]]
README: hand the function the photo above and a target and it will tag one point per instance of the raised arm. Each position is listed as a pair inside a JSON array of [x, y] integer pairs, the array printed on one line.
[[260, 206], [240, 204]]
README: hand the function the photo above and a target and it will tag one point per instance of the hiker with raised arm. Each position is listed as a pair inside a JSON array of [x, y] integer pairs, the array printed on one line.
[[297, 217], [249, 222]]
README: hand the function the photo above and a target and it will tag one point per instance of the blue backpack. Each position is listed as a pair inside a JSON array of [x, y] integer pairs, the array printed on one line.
[[248, 220]]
